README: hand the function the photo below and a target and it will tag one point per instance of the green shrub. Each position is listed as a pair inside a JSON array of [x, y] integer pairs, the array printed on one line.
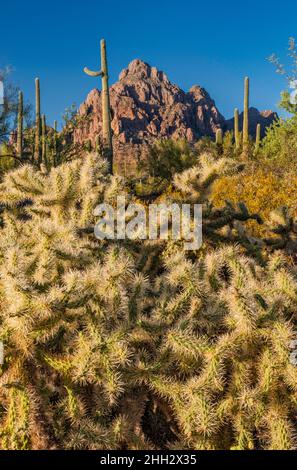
[[167, 157], [279, 147], [6, 162]]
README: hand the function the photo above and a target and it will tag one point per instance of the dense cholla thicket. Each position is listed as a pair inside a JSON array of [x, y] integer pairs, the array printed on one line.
[[138, 345]]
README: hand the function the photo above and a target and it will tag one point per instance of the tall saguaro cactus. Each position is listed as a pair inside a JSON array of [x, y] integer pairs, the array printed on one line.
[[245, 131], [106, 118], [37, 121], [55, 155], [20, 125], [43, 140], [219, 137], [258, 137], [236, 129]]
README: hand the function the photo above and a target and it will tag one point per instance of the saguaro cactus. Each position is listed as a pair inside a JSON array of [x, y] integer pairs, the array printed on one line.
[[245, 131], [258, 138], [236, 129], [20, 125], [55, 156], [219, 137], [43, 135], [37, 121], [106, 118]]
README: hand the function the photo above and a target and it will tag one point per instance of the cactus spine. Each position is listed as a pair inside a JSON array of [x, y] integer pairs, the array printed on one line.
[[219, 137], [43, 140], [258, 137], [245, 132], [20, 125], [106, 117], [38, 121], [236, 129]]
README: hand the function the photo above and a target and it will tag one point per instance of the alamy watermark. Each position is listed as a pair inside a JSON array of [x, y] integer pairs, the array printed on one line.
[[159, 221]]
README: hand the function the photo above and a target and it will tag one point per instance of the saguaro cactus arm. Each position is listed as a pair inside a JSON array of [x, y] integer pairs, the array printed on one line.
[[91, 73]]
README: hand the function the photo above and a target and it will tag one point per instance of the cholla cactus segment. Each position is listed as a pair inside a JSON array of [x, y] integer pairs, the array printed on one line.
[[197, 181]]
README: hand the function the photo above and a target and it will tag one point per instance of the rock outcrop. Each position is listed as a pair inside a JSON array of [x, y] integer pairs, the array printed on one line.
[[145, 106]]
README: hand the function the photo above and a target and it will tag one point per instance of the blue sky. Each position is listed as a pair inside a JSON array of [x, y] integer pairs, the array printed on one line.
[[210, 43]]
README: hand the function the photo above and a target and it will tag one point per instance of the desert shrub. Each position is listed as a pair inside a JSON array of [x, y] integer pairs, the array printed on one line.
[[262, 191], [206, 144], [6, 162], [279, 147], [167, 157], [228, 145], [152, 185]]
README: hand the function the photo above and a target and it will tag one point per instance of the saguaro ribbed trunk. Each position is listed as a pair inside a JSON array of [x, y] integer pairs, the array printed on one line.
[[106, 118], [107, 138], [20, 125], [236, 129], [37, 121], [245, 132]]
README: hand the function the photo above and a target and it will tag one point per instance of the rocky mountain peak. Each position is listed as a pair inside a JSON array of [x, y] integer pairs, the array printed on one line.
[[199, 93], [139, 70], [147, 106]]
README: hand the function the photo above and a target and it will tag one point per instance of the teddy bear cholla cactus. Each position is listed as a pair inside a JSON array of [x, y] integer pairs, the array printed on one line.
[[225, 347], [101, 353], [195, 185], [65, 305]]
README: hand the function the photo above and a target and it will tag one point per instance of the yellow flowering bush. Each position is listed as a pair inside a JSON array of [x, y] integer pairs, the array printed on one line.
[[262, 191]]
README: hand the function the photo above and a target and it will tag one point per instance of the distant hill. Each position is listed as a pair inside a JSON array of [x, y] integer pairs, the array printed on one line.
[[265, 118]]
